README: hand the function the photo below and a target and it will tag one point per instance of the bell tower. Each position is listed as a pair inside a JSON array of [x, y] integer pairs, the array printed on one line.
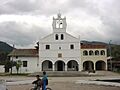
[[59, 24]]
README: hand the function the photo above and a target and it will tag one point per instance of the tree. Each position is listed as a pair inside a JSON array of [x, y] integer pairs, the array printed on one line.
[[9, 64], [18, 65]]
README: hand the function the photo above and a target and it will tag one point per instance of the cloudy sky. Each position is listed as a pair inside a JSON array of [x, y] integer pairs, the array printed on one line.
[[23, 22]]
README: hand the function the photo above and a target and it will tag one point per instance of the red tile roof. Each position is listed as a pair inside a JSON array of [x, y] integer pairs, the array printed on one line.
[[24, 52], [87, 46]]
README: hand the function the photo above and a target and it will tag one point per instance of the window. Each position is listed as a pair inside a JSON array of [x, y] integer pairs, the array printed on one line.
[[71, 46], [90, 52], [56, 37], [85, 52], [47, 46], [24, 63], [49, 64], [96, 52], [59, 47], [59, 55], [62, 36], [16, 57], [102, 52]]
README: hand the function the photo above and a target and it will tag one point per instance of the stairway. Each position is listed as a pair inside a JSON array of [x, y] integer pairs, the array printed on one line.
[[75, 73], [62, 73]]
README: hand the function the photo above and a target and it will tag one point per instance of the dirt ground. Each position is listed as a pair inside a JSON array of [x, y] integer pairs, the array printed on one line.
[[64, 83], [65, 86]]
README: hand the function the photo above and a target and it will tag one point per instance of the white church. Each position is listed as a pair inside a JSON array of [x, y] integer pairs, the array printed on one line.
[[60, 51]]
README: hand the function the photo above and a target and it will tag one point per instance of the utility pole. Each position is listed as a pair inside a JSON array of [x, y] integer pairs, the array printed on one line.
[[110, 55]]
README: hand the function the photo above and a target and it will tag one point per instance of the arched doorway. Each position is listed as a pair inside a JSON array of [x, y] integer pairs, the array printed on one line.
[[100, 65], [88, 66], [59, 66], [72, 65], [47, 65]]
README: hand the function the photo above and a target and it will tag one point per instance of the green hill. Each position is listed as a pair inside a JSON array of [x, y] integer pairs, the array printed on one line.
[[4, 47]]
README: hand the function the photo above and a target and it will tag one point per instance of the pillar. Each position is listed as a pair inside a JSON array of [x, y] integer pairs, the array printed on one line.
[[65, 67], [40, 66], [106, 66]]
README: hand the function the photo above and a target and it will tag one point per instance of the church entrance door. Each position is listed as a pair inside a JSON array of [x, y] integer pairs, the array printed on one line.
[[60, 66]]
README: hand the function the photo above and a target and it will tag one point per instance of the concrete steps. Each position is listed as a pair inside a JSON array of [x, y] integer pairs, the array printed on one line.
[[107, 73], [62, 74], [74, 73]]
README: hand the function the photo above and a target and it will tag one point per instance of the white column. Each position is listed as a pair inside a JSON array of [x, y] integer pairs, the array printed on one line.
[[80, 67], [40, 65], [65, 67]]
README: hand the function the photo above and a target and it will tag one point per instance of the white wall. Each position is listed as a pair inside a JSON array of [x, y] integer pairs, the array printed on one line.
[[94, 58], [2, 69], [32, 65], [52, 53]]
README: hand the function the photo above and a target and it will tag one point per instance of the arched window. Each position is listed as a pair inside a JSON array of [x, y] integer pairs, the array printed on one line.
[[96, 52], [102, 52], [62, 36], [91, 52], [56, 37], [85, 53]]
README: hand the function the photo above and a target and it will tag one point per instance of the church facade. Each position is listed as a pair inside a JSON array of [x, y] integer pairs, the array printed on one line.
[[61, 51]]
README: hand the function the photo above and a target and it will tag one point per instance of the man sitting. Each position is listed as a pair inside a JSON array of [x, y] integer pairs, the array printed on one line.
[[38, 83]]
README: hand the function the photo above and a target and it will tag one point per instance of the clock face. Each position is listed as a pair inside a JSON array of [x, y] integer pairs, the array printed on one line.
[[59, 24]]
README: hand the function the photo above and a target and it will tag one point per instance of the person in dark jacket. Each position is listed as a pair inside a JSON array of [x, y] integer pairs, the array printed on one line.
[[38, 83]]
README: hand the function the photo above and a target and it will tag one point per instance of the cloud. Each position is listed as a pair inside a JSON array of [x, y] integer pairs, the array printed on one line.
[[34, 7], [20, 33], [26, 20]]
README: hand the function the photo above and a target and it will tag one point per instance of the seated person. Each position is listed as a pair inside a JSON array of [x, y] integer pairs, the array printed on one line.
[[38, 83]]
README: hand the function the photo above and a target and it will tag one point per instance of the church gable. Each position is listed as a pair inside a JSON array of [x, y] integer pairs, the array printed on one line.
[[48, 38], [71, 38]]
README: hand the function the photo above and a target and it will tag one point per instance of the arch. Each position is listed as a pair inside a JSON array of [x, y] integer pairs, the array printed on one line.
[[59, 65], [100, 65], [72, 65], [96, 52], [102, 52], [47, 65], [88, 66], [91, 52], [85, 52]]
